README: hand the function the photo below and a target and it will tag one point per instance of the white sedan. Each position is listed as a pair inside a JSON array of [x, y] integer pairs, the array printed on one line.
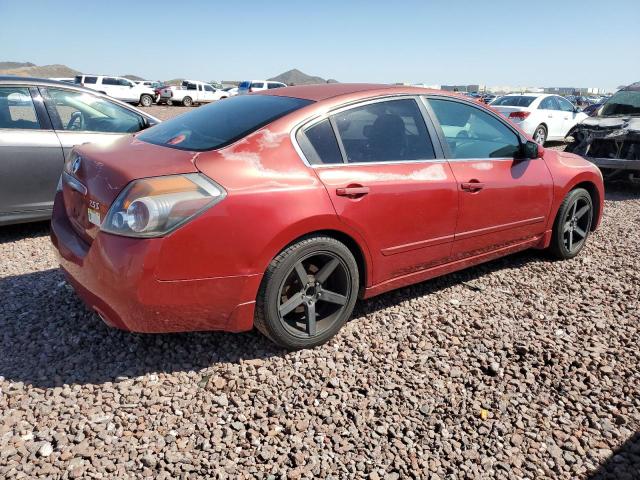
[[543, 116]]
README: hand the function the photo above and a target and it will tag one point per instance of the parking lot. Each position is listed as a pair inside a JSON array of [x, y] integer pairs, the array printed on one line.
[[520, 368]]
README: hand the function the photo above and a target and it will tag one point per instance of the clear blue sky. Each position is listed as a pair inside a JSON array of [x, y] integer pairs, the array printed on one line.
[[540, 43]]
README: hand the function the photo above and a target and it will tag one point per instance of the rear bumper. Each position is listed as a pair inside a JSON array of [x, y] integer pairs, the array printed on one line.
[[115, 276], [615, 163]]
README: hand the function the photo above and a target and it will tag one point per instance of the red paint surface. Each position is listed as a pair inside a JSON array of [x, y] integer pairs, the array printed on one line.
[[415, 223]]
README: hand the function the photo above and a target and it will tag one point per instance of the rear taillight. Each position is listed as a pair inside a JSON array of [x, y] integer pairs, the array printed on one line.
[[519, 115]]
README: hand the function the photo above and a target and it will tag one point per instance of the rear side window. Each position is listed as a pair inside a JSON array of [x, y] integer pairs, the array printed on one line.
[[16, 109], [514, 101], [387, 131], [319, 144], [221, 123], [471, 132], [90, 79], [190, 86]]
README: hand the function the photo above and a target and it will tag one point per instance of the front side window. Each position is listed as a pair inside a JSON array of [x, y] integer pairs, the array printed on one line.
[[319, 143], [80, 111], [16, 109], [209, 88], [386, 131], [257, 85], [275, 85], [565, 105], [221, 123], [473, 133], [109, 81], [123, 82]]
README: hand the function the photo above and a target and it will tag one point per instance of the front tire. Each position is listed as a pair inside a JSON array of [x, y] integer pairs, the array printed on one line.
[[187, 102], [540, 135], [572, 225], [307, 294]]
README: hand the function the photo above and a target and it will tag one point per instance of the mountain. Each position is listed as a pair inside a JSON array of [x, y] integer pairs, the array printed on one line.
[[296, 77], [31, 70]]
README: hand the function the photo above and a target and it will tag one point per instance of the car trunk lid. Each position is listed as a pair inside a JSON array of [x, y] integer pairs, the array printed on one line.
[[95, 180]]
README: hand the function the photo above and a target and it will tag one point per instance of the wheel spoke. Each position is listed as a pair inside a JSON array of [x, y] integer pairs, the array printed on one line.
[[582, 212], [311, 318], [327, 270], [570, 240], [291, 304], [580, 232], [302, 273], [333, 297], [567, 227], [575, 206]]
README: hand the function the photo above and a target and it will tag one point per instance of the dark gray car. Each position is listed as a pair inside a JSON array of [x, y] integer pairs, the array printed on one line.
[[40, 121]]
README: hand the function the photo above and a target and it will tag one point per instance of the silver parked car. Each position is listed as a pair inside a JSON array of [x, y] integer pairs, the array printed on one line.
[[40, 121]]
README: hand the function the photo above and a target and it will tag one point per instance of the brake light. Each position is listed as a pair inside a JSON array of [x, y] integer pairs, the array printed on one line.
[[519, 115]]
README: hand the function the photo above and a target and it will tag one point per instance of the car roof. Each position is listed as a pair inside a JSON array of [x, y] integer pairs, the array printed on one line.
[[10, 79], [537, 95], [633, 87], [325, 91]]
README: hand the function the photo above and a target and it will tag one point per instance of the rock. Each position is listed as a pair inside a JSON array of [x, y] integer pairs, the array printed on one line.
[[45, 449]]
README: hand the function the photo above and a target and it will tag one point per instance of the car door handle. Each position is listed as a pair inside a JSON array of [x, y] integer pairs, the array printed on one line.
[[353, 191], [472, 186]]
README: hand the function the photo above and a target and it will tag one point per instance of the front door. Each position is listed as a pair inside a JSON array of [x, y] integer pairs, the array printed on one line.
[[387, 182], [31, 158], [504, 200]]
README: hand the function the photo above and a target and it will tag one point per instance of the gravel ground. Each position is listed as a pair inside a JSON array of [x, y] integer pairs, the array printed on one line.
[[520, 368]]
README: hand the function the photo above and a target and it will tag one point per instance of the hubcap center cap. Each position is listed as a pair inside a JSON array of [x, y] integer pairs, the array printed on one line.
[[312, 290]]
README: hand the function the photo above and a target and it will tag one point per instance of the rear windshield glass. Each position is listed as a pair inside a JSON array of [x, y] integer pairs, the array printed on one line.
[[517, 101], [221, 123]]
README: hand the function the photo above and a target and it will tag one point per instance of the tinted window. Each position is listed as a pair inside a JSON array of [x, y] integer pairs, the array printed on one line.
[[78, 79], [16, 109], [473, 133], [209, 88], [82, 111], [319, 144], [275, 85], [91, 80], [109, 81], [257, 85], [384, 132], [513, 101], [221, 123], [123, 82], [190, 86]]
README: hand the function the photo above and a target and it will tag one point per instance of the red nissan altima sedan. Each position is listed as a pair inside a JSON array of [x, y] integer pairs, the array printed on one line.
[[279, 209]]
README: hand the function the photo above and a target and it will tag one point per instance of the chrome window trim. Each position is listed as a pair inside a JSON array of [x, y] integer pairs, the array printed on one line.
[[310, 122]]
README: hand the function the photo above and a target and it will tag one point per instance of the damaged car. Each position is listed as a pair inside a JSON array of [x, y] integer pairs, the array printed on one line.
[[611, 139]]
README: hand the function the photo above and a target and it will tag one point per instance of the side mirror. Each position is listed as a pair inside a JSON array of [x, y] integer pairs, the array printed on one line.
[[531, 150]]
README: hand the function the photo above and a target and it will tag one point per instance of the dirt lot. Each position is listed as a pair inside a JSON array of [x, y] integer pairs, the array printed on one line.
[[520, 368]]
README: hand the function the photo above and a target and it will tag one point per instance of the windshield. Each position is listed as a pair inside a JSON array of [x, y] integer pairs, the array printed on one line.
[[624, 102], [513, 101], [221, 123]]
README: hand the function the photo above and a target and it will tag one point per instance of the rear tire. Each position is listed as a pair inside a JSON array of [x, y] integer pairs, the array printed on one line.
[[540, 135], [307, 294], [187, 102], [573, 224], [146, 100]]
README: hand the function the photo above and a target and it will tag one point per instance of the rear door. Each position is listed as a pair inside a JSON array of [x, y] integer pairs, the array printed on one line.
[[569, 115], [80, 117], [31, 157], [387, 181], [552, 116], [503, 200]]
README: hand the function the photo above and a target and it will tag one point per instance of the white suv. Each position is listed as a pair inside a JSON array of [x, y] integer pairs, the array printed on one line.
[[118, 87], [249, 86]]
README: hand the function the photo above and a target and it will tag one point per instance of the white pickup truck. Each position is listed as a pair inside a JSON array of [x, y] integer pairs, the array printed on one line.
[[191, 92]]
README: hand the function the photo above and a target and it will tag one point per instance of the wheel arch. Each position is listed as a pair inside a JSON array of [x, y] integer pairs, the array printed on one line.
[[356, 246], [595, 198]]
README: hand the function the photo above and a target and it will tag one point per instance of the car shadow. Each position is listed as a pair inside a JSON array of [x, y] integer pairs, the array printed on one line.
[[14, 233], [624, 463], [49, 338]]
